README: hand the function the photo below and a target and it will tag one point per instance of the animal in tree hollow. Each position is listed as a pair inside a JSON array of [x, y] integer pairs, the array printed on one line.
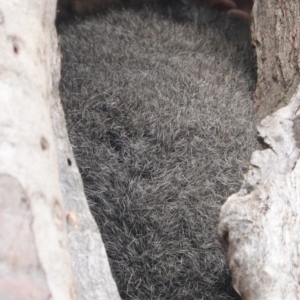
[[158, 108], [235, 8]]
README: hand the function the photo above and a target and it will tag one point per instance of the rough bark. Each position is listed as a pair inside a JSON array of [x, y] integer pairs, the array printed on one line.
[[260, 225], [275, 35], [35, 251], [34, 255]]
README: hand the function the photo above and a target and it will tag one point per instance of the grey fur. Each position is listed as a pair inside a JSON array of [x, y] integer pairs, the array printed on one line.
[[158, 106]]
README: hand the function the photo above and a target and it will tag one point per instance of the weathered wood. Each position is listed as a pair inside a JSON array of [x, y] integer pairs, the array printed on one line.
[[35, 252], [276, 37], [34, 256], [260, 225]]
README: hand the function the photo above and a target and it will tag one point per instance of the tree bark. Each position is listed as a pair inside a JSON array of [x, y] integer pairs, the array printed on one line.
[[275, 36], [260, 225], [44, 233], [34, 254]]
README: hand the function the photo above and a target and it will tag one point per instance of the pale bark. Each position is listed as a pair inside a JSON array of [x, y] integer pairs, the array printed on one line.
[[34, 255], [260, 225], [35, 259]]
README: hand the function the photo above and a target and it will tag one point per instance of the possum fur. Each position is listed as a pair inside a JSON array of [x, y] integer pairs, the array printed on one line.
[[158, 107]]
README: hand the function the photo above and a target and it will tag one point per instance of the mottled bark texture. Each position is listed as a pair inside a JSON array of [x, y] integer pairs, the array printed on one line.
[[36, 257], [260, 225], [276, 37], [34, 254]]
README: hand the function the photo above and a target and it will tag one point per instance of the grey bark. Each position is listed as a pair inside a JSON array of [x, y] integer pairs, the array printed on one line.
[[34, 254], [46, 235], [260, 225]]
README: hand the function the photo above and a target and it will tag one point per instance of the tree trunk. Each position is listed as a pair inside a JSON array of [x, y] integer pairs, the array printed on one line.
[[260, 225], [35, 260], [275, 35]]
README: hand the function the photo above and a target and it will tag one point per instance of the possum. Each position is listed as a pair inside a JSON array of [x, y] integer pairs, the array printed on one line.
[[159, 113]]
